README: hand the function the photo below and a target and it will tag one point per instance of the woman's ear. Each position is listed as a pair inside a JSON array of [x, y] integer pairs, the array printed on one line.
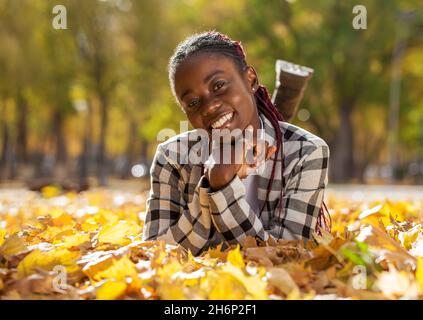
[[252, 79]]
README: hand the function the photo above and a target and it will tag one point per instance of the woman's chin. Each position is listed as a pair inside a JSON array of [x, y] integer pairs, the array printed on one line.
[[229, 130]]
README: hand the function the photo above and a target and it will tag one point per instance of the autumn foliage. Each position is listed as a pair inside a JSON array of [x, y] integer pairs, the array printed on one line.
[[93, 240]]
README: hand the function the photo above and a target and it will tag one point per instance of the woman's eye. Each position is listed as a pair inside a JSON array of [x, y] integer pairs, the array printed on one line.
[[219, 85], [192, 104]]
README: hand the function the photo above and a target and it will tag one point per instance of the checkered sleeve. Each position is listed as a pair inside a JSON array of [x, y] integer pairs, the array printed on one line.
[[303, 194], [232, 215], [169, 217]]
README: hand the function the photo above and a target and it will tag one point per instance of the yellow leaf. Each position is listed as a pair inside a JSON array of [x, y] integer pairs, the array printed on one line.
[[96, 262], [169, 269], [408, 237], [111, 268], [111, 290], [222, 286], [47, 260], [192, 263], [171, 291], [254, 285], [104, 217], [215, 253], [75, 240], [60, 218], [13, 245], [89, 225], [2, 236], [55, 233], [419, 273], [119, 233], [235, 258]]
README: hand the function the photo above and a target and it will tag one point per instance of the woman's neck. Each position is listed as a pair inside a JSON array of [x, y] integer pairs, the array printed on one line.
[[256, 124]]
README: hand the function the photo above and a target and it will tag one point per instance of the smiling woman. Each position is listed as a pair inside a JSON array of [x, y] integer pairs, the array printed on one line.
[[201, 205]]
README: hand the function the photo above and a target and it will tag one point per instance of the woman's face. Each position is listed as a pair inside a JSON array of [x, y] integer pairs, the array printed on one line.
[[214, 94]]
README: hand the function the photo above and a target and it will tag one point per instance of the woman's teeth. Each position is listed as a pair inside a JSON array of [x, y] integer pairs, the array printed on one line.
[[221, 121]]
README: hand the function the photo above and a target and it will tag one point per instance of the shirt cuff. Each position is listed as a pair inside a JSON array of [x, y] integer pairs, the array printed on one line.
[[223, 198], [230, 212]]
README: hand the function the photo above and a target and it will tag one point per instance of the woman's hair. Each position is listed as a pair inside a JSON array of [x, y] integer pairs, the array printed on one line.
[[216, 42]]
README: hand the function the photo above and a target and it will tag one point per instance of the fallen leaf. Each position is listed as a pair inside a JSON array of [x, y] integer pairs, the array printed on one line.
[[234, 257], [47, 261], [111, 290], [119, 233], [419, 273], [282, 280], [13, 245]]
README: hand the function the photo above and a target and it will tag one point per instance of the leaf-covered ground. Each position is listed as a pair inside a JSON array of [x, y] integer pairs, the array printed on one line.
[[88, 246]]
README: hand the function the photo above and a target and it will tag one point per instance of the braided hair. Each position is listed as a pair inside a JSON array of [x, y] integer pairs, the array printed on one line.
[[216, 42]]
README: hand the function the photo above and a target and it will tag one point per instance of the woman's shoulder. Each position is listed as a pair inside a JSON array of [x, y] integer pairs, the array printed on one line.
[[294, 133], [298, 140]]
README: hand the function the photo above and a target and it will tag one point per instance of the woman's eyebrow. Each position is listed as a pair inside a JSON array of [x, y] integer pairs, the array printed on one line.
[[206, 79]]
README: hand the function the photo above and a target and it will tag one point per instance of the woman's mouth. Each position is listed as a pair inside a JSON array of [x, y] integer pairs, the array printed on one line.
[[223, 121]]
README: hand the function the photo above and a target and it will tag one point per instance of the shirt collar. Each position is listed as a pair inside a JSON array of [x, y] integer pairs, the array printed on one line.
[[269, 131]]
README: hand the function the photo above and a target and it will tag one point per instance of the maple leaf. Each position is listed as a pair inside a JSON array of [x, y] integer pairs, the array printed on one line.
[[216, 253], [234, 257], [78, 240], [110, 267], [59, 218], [119, 233], [13, 245], [47, 261], [52, 233]]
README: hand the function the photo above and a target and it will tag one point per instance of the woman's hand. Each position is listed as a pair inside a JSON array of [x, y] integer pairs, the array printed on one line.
[[252, 155], [259, 153], [220, 173]]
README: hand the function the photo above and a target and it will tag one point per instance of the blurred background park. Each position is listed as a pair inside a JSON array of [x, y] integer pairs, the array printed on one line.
[[84, 105]]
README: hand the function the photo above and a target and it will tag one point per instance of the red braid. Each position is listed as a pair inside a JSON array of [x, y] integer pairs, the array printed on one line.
[[266, 107], [274, 117]]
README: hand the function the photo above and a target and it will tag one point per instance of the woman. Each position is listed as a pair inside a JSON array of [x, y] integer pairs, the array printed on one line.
[[199, 205]]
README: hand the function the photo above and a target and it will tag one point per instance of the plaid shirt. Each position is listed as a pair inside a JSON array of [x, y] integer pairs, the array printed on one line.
[[182, 208]]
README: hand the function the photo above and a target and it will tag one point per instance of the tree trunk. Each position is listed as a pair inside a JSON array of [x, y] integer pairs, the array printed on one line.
[[22, 129], [144, 150], [130, 148], [4, 149], [394, 107], [85, 157], [342, 161], [60, 141], [101, 159]]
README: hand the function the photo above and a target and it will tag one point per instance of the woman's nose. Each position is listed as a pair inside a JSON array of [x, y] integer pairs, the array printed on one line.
[[210, 106]]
